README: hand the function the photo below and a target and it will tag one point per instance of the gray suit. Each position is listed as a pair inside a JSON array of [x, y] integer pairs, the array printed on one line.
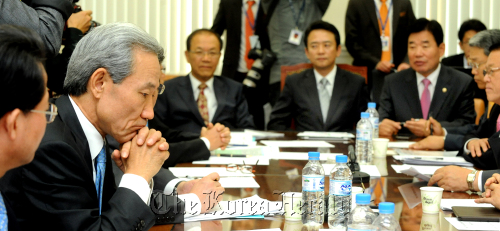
[[299, 100], [452, 103]]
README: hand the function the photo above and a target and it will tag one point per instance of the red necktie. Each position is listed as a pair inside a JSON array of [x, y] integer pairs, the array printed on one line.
[[249, 23], [425, 100]]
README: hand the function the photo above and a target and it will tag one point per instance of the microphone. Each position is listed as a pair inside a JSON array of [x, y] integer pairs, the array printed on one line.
[[358, 177]]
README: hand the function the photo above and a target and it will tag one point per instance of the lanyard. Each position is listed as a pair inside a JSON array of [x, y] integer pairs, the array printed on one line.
[[300, 12], [252, 25], [383, 25]]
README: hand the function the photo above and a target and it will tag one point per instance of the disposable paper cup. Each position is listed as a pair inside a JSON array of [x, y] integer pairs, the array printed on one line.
[[429, 222], [380, 147], [354, 191], [431, 199], [295, 225], [292, 202]]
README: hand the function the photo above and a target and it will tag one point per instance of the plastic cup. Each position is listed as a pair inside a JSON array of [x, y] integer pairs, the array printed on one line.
[[295, 225], [292, 201], [380, 147], [431, 199], [430, 222], [354, 191]]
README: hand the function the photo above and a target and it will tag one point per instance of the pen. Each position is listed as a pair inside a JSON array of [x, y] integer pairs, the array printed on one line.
[[232, 155]]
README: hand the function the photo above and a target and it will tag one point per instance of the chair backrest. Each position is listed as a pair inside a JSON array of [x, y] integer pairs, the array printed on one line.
[[358, 70], [479, 108]]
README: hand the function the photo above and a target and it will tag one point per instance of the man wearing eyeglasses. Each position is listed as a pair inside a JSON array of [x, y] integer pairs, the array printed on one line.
[[200, 98], [112, 84]]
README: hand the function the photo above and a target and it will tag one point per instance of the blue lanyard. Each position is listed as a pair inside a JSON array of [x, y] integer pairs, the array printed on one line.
[[300, 12], [383, 25], [252, 25]]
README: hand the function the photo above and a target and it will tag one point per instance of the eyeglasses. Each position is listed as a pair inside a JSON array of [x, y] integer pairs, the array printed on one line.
[[243, 168], [489, 70], [50, 114], [475, 65], [161, 88], [201, 54]]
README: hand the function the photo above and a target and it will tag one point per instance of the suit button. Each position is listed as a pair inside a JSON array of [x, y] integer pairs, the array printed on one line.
[[143, 223]]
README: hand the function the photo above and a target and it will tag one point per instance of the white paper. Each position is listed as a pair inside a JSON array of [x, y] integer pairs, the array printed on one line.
[[242, 139], [262, 134], [473, 225], [413, 172], [199, 172], [371, 170], [251, 160], [446, 204], [238, 182], [399, 144], [297, 143], [299, 156], [420, 153], [429, 170], [326, 135]]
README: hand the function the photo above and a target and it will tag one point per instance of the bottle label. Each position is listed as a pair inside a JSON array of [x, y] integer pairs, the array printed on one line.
[[374, 121], [364, 134], [340, 187], [313, 183]]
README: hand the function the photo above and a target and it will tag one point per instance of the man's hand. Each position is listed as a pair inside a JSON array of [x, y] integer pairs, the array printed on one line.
[[388, 127], [451, 178], [403, 66], [384, 66], [436, 128], [186, 186], [209, 191], [430, 142], [416, 126], [218, 135], [80, 20], [495, 179], [475, 146], [492, 194]]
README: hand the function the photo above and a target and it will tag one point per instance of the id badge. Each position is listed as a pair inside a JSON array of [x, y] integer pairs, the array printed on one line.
[[295, 37], [254, 41], [385, 42]]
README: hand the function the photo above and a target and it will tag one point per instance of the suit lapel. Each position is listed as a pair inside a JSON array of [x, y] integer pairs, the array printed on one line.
[[220, 95], [439, 96], [309, 82], [370, 8], [187, 94], [339, 87], [412, 95], [396, 6]]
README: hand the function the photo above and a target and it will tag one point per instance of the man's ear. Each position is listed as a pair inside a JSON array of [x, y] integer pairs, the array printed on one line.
[[10, 122], [98, 82]]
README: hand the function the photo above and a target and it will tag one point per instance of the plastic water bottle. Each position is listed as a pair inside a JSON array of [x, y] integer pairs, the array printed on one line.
[[313, 191], [386, 221], [364, 148], [339, 200], [372, 109], [362, 217]]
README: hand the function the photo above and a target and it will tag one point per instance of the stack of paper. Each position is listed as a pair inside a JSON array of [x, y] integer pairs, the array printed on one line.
[[472, 225], [299, 156], [228, 179], [245, 151], [297, 143], [251, 160], [437, 158], [417, 170], [243, 207], [326, 135], [400, 144], [446, 204]]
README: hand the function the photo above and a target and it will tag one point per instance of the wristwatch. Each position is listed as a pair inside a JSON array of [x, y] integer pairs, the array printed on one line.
[[470, 179]]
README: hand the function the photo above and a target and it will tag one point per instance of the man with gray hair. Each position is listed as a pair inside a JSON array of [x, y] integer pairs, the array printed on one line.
[[113, 82]]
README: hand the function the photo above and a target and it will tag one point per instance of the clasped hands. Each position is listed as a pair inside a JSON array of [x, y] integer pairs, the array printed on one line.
[[492, 191], [419, 127]]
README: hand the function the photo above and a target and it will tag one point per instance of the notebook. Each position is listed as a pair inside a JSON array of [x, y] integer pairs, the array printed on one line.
[[476, 213]]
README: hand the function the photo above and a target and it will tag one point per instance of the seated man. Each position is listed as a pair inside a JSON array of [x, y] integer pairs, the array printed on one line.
[[454, 137], [467, 30], [70, 185], [24, 115], [426, 90], [453, 178], [325, 98], [200, 98]]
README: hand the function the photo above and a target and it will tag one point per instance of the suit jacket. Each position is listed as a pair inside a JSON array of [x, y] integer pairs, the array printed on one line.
[[454, 60], [177, 107], [452, 103], [299, 100], [229, 18], [363, 33], [57, 188]]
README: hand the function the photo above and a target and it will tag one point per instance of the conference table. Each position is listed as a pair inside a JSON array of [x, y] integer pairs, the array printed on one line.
[[285, 176]]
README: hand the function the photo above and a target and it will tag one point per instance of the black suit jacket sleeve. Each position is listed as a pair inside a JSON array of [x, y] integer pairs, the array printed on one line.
[[487, 174], [465, 103], [282, 113], [219, 22], [491, 158], [243, 118]]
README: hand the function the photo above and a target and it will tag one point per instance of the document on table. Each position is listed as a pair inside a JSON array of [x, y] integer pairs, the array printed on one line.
[[432, 160], [371, 170], [400, 144], [326, 135], [473, 225], [242, 139], [251, 160], [238, 182], [420, 153], [243, 207], [417, 170], [245, 151], [299, 156], [297, 143], [199, 172], [446, 204]]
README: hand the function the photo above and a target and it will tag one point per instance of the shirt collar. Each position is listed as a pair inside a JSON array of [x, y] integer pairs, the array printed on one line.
[[94, 138], [195, 82], [330, 76], [433, 77], [256, 2]]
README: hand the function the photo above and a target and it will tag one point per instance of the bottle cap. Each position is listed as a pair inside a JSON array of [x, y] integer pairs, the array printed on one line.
[[341, 159], [365, 115], [386, 208], [372, 105], [313, 155], [363, 198]]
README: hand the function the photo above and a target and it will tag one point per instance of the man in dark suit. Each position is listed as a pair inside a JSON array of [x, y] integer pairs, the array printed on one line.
[[363, 28], [467, 30], [200, 98], [314, 106], [426, 90], [70, 184], [23, 117]]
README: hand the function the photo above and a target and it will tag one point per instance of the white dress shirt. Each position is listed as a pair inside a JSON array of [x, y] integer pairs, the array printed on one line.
[[242, 65], [433, 77], [330, 77], [378, 3], [209, 93]]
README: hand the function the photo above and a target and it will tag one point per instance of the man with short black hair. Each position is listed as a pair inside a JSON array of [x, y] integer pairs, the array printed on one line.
[[467, 30]]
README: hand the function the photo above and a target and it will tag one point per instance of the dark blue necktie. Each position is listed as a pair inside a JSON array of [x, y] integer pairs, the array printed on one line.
[[4, 222], [99, 174]]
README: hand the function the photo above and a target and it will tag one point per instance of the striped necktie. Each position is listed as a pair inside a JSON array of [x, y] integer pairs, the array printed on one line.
[[4, 221], [100, 170]]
